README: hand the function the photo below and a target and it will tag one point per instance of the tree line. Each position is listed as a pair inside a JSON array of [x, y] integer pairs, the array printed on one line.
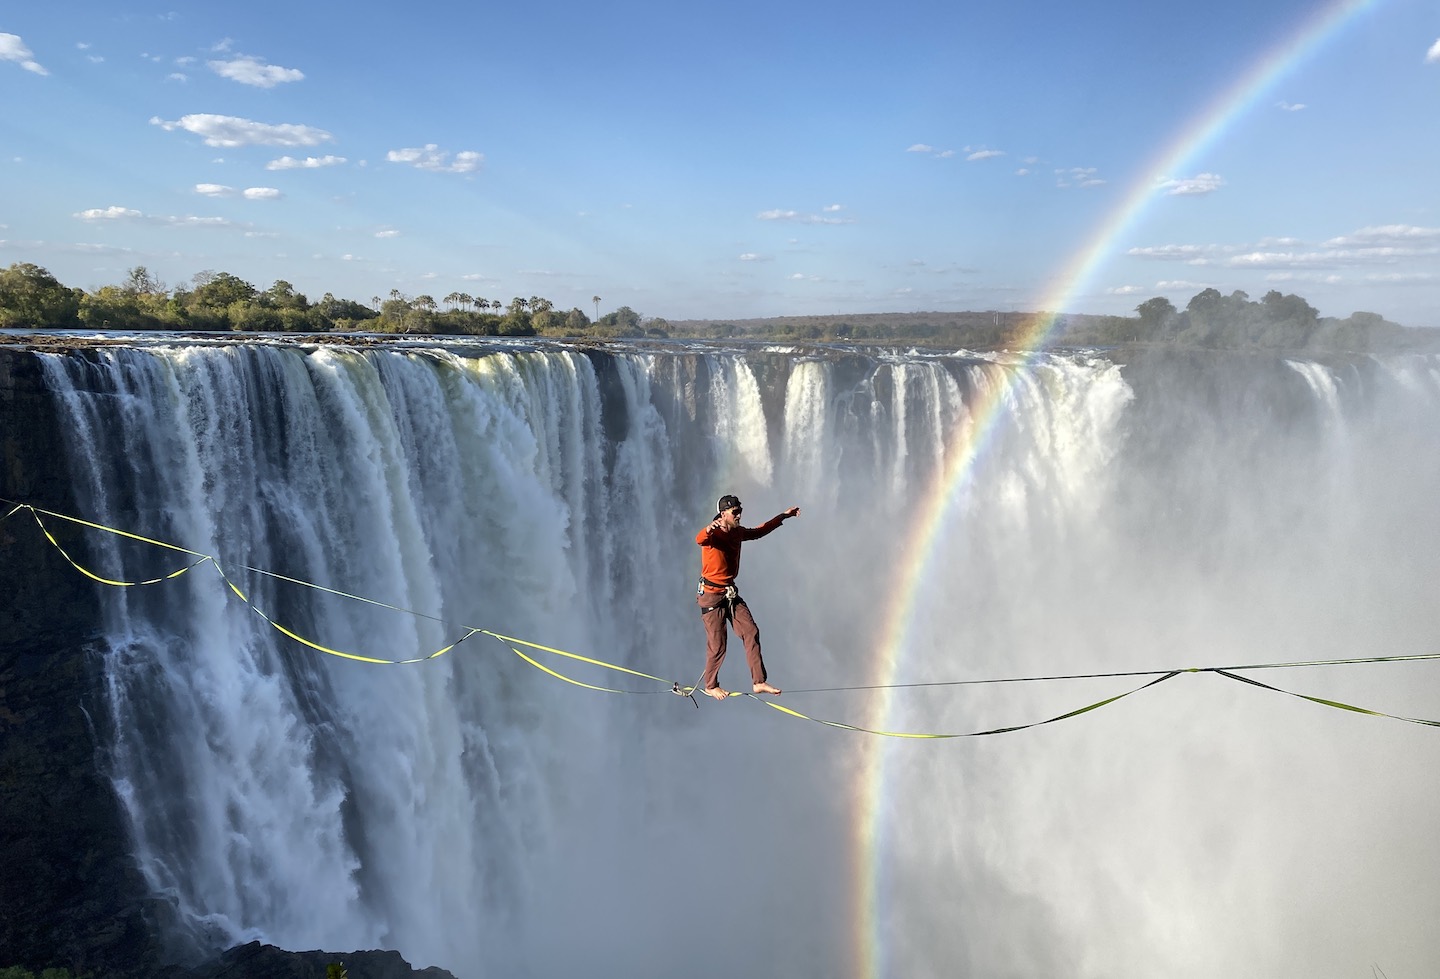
[[31, 298], [1277, 321]]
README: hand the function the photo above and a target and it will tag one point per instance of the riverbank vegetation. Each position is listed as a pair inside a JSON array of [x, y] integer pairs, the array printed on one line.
[[31, 298]]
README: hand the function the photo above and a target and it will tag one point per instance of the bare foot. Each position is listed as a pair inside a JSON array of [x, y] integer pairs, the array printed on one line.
[[765, 688], [718, 693]]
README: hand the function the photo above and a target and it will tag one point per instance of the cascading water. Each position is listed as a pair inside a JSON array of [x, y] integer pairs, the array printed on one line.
[[478, 815]]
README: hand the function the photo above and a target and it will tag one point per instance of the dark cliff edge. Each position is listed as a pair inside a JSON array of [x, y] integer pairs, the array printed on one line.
[[71, 896]]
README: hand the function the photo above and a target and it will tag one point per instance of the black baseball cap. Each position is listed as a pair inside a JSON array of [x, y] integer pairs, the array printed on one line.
[[726, 502]]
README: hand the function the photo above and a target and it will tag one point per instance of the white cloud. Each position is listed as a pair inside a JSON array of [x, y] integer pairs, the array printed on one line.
[[219, 130], [214, 190], [177, 76], [1280, 277], [112, 213], [249, 70], [1201, 183], [387, 234], [1078, 177], [832, 208], [431, 157], [262, 194], [1400, 278], [801, 218], [984, 155], [193, 221], [309, 163], [1172, 285], [1290, 106], [755, 257], [1172, 252], [1433, 55], [12, 48], [1381, 245], [117, 213], [1386, 234], [1022, 172], [920, 148], [1325, 258], [1124, 290]]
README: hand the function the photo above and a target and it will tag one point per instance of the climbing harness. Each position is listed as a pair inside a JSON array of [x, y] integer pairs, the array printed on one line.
[[728, 602]]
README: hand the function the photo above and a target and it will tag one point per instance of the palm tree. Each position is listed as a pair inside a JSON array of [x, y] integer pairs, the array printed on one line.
[[453, 299], [596, 300], [375, 302]]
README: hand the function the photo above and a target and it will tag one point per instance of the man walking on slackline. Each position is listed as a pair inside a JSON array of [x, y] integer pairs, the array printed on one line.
[[719, 601]]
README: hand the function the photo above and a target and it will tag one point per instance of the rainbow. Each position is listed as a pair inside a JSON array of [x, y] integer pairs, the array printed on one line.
[[1207, 128]]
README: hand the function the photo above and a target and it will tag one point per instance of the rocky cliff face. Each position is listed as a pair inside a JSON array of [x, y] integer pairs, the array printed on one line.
[[70, 895]]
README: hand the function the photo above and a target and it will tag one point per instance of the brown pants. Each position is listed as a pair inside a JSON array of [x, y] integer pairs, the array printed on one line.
[[714, 614]]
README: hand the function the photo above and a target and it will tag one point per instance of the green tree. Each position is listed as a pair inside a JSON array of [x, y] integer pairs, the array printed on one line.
[[220, 291], [140, 282], [576, 321], [119, 308], [1289, 321], [282, 295], [1155, 315], [625, 321], [542, 314], [32, 298]]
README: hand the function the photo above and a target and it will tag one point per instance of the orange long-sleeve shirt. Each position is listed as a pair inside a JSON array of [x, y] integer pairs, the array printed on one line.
[[720, 551]]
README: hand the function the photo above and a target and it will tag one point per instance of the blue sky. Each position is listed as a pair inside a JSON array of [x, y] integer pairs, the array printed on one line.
[[736, 160]]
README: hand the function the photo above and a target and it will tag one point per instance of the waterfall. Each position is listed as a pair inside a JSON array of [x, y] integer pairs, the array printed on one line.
[[475, 814]]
